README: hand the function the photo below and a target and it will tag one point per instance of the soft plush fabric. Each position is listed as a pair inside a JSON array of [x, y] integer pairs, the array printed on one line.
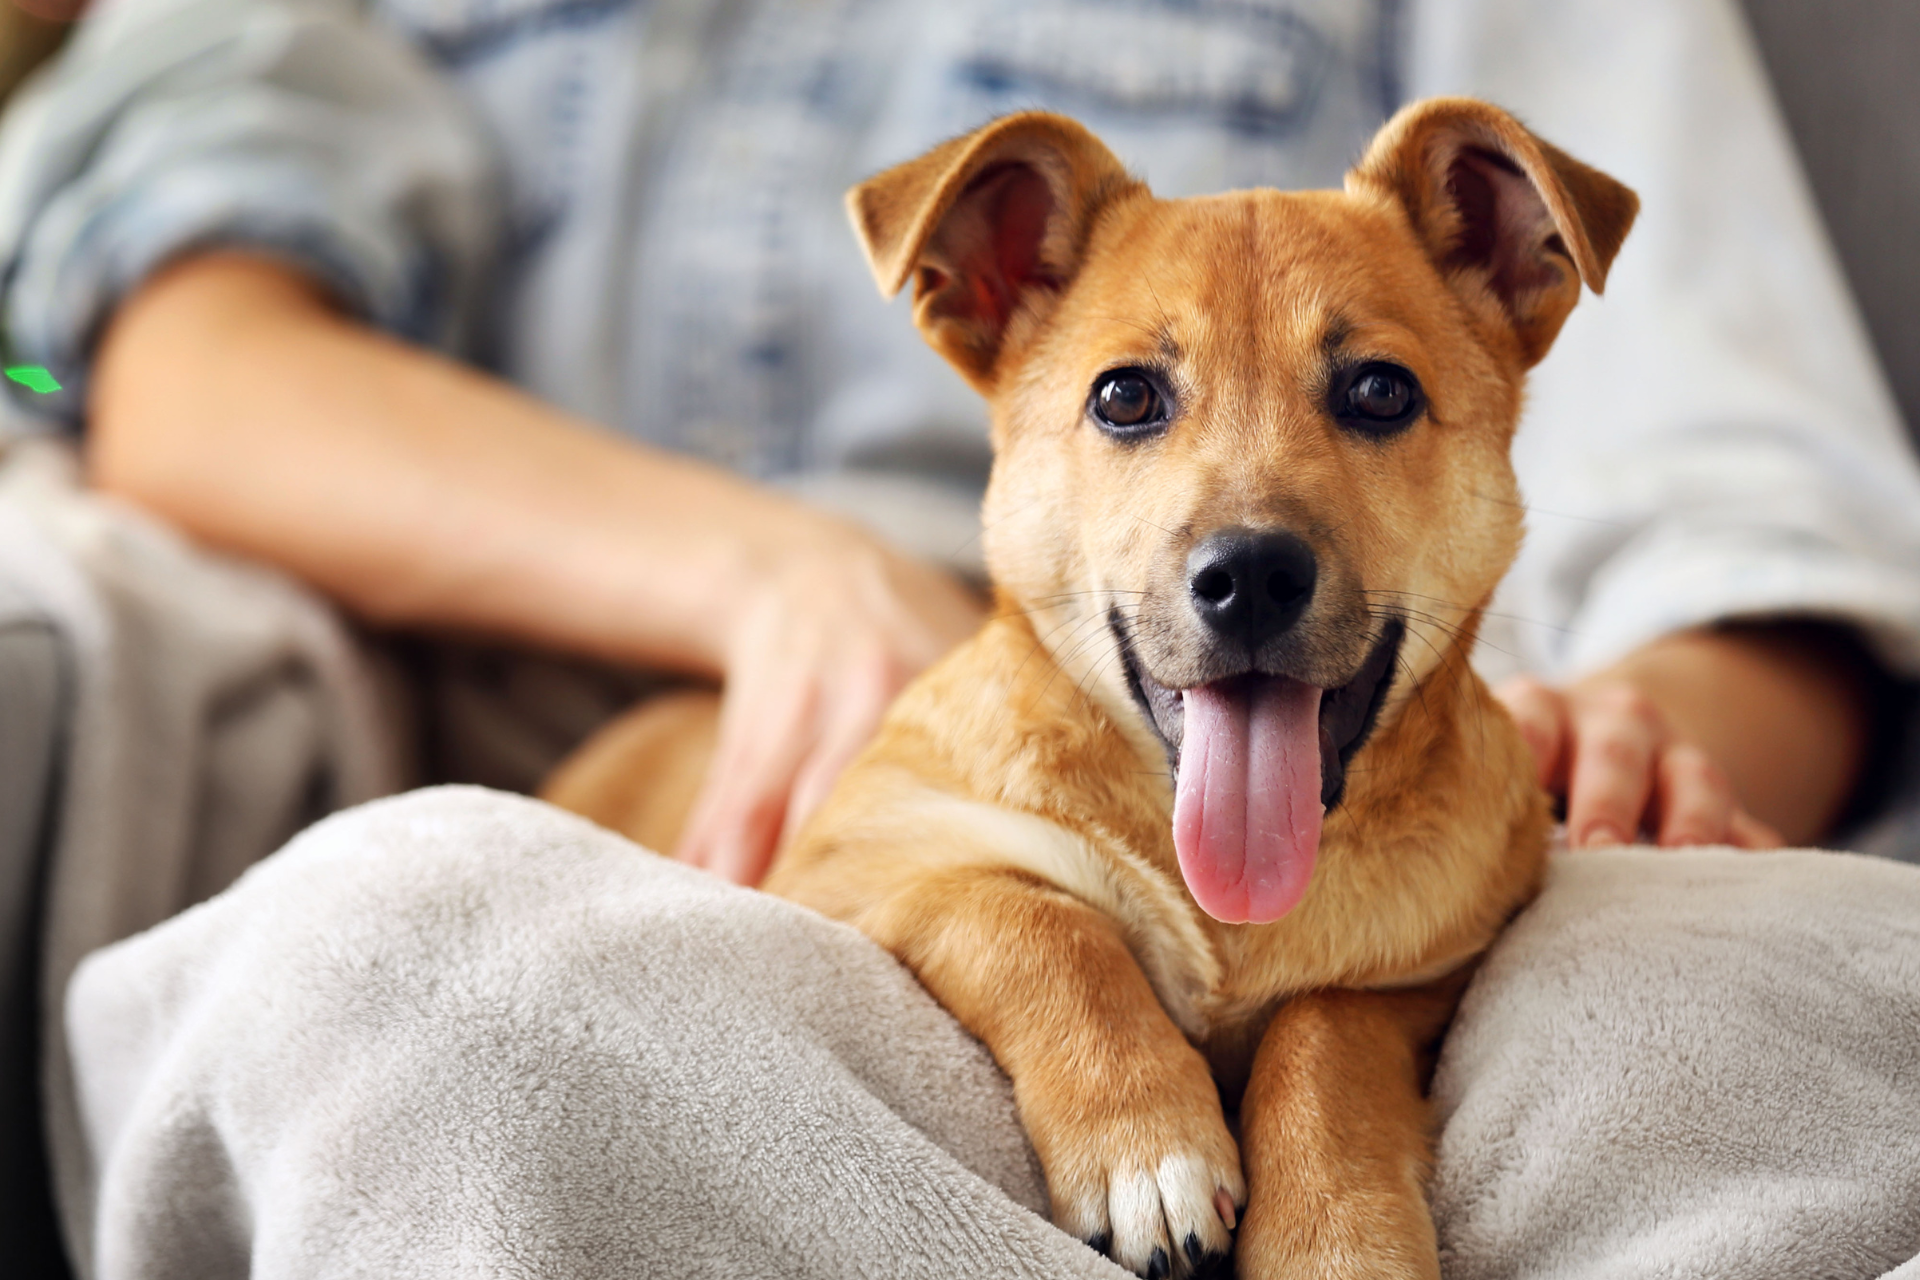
[[461, 1033], [208, 711], [1690, 1064]]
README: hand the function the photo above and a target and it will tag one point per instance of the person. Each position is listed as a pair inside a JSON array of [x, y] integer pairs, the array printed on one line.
[[538, 321], [628, 220]]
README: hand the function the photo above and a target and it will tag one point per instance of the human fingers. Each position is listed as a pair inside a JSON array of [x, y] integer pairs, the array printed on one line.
[[1693, 798], [858, 702], [1748, 832], [836, 630], [799, 704], [1540, 711], [1617, 734], [895, 616], [767, 729]]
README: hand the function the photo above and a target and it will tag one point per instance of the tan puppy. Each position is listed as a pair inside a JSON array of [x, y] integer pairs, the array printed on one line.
[[1216, 808]]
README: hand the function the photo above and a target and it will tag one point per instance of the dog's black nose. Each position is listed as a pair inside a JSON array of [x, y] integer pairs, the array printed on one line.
[[1251, 586]]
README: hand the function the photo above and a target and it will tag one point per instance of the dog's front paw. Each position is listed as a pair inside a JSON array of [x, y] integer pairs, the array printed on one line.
[[1145, 1172], [1157, 1217]]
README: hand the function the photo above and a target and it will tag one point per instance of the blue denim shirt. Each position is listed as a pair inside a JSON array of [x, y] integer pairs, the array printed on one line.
[[667, 251], [632, 208]]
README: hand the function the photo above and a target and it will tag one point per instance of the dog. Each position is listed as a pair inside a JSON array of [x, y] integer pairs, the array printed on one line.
[[1213, 818]]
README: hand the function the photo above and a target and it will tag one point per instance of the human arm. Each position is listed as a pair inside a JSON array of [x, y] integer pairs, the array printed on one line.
[[232, 398], [267, 413]]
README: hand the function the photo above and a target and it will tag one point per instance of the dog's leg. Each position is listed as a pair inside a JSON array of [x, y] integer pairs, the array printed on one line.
[[1335, 1130], [1121, 1109], [639, 774]]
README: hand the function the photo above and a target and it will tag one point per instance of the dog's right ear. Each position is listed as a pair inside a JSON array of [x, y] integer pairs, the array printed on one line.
[[990, 227]]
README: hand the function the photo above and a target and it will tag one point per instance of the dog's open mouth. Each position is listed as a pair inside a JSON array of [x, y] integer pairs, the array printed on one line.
[[1258, 760]]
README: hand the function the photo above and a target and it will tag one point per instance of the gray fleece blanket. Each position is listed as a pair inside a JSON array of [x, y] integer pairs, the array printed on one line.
[[210, 710], [459, 1033]]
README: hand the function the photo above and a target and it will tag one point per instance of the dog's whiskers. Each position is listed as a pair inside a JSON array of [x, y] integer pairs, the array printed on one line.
[[1530, 509]]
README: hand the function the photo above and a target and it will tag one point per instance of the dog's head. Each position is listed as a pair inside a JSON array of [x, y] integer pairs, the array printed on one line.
[[1252, 475]]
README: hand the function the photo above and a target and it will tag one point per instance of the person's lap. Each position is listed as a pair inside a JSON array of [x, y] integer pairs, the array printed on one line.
[[460, 1031]]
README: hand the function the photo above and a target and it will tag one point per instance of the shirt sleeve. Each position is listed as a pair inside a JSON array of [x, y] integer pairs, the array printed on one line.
[[298, 128], [1712, 439]]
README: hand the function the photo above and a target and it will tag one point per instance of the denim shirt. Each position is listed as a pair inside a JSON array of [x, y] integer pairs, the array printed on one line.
[[632, 208]]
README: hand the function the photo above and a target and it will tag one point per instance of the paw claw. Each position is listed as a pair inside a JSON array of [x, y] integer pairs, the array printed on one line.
[[1158, 1267]]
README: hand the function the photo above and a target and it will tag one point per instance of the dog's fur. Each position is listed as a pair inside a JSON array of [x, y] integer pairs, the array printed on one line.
[[1009, 832]]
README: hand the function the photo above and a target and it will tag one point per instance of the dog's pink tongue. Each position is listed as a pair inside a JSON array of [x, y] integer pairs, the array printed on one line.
[[1246, 808]]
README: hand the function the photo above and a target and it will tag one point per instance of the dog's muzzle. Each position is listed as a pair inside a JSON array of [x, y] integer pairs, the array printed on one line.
[[1347, 712]]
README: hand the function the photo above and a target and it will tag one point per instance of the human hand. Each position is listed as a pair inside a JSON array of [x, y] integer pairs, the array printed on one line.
[[826, 635], [1608, 750]]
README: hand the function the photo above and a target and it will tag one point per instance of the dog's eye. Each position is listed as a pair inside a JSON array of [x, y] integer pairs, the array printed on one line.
[[1377, 398], [1127, 403]]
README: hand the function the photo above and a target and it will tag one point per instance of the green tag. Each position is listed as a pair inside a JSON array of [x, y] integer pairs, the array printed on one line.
[[33, 377]]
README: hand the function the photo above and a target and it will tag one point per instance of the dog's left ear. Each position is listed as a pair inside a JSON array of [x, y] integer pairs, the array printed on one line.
[[1513, 223], [990, 227]]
